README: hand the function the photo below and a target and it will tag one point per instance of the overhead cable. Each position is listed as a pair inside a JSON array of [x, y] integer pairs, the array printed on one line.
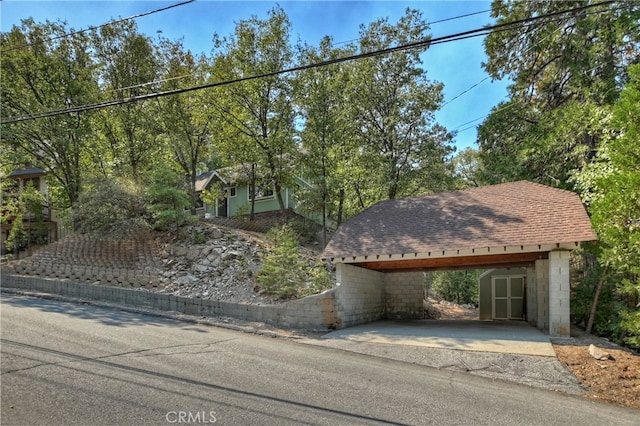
[[140, 15], [408, 46]]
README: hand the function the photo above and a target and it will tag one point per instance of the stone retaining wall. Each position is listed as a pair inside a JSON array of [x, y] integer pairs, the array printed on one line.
[[314, 312]]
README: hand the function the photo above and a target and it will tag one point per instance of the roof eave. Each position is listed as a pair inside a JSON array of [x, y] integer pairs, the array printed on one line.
[[479, 251]]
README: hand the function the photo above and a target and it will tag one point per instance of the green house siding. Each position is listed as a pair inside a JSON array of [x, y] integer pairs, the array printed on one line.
[[239, 204]]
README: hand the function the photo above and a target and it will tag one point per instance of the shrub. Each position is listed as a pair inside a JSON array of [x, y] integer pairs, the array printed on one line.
[[110, 207], [285, 273]]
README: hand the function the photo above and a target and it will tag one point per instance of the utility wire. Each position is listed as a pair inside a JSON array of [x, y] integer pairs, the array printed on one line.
[[335, 44], [140, 15], [418, 44], [428, 24]]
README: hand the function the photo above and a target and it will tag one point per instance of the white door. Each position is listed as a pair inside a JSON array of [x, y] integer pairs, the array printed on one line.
[[508, 297]]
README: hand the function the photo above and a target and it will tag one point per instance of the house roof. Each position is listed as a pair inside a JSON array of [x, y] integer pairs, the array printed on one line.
[[231, 175], [202, 180], [510, 214], [29, 171]]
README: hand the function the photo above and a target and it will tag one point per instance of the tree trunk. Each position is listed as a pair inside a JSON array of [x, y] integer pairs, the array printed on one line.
[[340, 206], [252, 192], [594, 305]]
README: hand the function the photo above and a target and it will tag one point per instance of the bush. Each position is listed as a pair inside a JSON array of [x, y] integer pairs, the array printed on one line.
[[456, 286], [285, 273], [111, 208], [169, 203]]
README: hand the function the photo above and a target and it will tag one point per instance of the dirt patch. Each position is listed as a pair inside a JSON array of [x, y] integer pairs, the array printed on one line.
[[616, 380]]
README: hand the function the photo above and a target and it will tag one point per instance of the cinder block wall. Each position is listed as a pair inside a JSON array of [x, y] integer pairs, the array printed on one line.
[[542, 293], [359, 296], [313, 312], [404, 295], [532, 295], [559, 293]]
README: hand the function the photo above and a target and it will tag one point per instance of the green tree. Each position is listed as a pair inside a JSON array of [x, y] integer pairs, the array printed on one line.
[[261, 110], [285, 272], [564, 68], [468, 169], [321, 101], [185, 122], [111, 208], [611, 184], [392, 108], [24, 211], [460, 287], [127, 67], [42, 70], [168, 201]]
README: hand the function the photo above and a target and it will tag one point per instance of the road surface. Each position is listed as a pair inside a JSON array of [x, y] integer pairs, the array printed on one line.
[[75, 364]]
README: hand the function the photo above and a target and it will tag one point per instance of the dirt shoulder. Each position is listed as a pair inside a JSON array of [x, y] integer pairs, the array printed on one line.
[[615, 380]]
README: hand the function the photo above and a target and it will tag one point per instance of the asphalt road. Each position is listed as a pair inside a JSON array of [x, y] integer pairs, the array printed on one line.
[[73, 364]]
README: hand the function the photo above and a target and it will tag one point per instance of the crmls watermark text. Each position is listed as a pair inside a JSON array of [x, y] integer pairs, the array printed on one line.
[[200, 417]]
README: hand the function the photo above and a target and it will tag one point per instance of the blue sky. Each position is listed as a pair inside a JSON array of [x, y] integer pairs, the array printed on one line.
[[457, 64]]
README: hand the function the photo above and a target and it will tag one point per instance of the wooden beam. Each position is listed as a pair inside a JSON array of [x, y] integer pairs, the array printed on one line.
[[459, 262]]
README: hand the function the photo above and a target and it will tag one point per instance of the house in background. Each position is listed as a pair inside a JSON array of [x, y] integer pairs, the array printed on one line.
[[42, 229], [234, 184]]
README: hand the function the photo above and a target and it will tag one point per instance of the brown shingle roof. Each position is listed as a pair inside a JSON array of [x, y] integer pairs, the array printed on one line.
[[508, 214], [202, 180]]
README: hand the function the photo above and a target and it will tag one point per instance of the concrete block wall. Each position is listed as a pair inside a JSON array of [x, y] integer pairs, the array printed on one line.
[[559, 293], [542, 293], [404, 295], [313, 312], [360, 295], [532, 293]]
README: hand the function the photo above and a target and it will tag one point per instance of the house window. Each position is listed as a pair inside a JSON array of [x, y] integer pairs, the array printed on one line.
[[232, 191], [263, 190]]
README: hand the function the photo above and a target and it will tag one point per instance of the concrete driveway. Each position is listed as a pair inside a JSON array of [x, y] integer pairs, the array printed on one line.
[[513, 337]]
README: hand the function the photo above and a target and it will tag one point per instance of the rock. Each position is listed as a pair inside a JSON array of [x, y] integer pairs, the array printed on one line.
[[179, 251], [598, 353], [193, 253], [186, 279], [201, 268]]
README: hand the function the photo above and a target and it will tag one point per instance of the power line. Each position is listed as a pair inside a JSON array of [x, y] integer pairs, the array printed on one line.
[[102, 25], [426, 25], [422, 43], [335, 44]]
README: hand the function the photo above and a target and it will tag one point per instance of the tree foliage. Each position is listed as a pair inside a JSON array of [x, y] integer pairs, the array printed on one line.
[[261, 110], [392, 105], [564, 69], [111, 208], [460, 287], [168, 200], [566, 124], [184, 121], [127, 63], [284, 271], [611, 185], [42, 71]]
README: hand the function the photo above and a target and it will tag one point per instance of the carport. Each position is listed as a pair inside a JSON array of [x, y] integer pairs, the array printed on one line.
[[382, 253]]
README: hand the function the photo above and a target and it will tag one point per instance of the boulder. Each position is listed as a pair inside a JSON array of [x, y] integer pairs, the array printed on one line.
[[598, 353]]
